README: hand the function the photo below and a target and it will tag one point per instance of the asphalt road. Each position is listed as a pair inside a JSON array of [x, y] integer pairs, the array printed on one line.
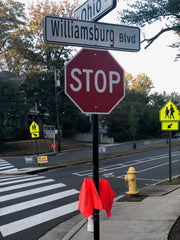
[[32, 205], [19, 162]]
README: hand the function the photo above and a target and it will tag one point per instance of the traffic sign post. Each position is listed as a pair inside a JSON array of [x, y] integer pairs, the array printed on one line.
[[169, 116], [94, 81], [34, 130]]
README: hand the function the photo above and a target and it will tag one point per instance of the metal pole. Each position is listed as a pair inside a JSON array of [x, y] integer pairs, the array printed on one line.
[[37, 150], [96, 172], [170, 156], [57, 115], [37, 146]]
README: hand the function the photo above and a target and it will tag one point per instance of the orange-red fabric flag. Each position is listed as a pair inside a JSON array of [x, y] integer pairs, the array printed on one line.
[[106, 195], [89, 198]]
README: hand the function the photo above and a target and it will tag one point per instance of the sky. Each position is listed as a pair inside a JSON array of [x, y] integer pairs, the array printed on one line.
[[157, 61]]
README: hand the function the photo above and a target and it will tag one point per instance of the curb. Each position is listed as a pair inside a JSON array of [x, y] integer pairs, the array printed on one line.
[[74, 230]]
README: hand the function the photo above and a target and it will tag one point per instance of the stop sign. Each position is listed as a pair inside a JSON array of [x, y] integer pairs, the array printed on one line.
[[94, 81]]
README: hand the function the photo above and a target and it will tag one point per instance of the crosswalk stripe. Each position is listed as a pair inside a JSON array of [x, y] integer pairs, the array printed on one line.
[[22, 180], [5, 164], [3, 161], [9, 178], [36, 202], [6, 177], [5, 189], [34, 220], [31, 192], [7, 167]]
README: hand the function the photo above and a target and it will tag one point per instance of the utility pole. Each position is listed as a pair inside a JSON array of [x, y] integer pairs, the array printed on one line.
[[57, 114]]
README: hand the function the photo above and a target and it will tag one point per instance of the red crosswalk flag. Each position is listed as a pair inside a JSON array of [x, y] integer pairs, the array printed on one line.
[[106, 195], [89, 198]]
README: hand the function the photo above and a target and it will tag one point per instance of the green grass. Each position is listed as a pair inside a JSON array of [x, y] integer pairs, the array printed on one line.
[[175, 181], [130, 198]]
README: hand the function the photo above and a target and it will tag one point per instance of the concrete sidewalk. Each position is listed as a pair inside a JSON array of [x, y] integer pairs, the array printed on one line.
[[150, 219]]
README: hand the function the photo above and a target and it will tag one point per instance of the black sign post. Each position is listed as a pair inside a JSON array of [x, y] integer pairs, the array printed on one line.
[[170, 178], [96, 172]]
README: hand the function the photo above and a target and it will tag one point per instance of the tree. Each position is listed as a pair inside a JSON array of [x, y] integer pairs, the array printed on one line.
[[12, 111], [28, 51], [11, 20], [148, 12], [141, 83]]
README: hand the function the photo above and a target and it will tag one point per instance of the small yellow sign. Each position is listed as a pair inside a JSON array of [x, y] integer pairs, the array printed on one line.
[[169, 112], [169, 126], [42, 159], [35, 135], [34, 127]]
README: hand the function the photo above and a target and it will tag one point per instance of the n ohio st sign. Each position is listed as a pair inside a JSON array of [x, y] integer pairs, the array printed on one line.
[[93, 10], [94, 81]]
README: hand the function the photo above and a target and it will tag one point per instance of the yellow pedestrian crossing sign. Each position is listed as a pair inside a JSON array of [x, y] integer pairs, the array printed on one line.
[[34, 130], [169, 112]]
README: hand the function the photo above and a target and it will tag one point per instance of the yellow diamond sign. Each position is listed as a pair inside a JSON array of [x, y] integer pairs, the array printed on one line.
[[34, 128], [169, 112]]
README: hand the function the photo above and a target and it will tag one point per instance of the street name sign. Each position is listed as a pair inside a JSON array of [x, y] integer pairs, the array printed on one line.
[[94, 81], [93, 10], [70, 32]]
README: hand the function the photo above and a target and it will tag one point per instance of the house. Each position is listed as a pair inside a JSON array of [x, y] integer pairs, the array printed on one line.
[[13, 79]]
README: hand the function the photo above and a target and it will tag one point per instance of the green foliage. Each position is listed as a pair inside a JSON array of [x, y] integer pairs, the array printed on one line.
[[39, 92], [11, 18], [137, 116], [148, 12], [12, 111], [22, 46]]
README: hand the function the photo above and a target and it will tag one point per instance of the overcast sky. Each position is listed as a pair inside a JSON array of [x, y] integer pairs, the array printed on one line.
[[157, 62]]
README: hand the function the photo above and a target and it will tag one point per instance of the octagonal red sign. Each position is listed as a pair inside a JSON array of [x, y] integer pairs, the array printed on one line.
[[94, 81]]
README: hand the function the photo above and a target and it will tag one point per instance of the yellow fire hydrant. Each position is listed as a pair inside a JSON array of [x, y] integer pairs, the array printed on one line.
[[131, 179]]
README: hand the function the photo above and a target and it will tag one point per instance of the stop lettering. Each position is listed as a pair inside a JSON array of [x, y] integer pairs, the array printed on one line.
[[101, 81], [94, 81]]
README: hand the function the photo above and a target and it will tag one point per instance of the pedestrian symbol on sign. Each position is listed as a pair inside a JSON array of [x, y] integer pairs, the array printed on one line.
[[169, 112]]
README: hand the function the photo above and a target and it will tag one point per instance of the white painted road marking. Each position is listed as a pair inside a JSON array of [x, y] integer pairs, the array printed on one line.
[[127, 164], [37, 219], [36, 202], [25, 185], [150, 168], [22, 210], [5, 166], [30, 192]]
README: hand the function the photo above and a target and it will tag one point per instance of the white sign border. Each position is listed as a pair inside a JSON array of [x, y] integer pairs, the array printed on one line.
[[93, 45]]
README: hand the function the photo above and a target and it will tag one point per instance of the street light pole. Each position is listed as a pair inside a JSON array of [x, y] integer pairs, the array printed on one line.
[[57, 114]]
